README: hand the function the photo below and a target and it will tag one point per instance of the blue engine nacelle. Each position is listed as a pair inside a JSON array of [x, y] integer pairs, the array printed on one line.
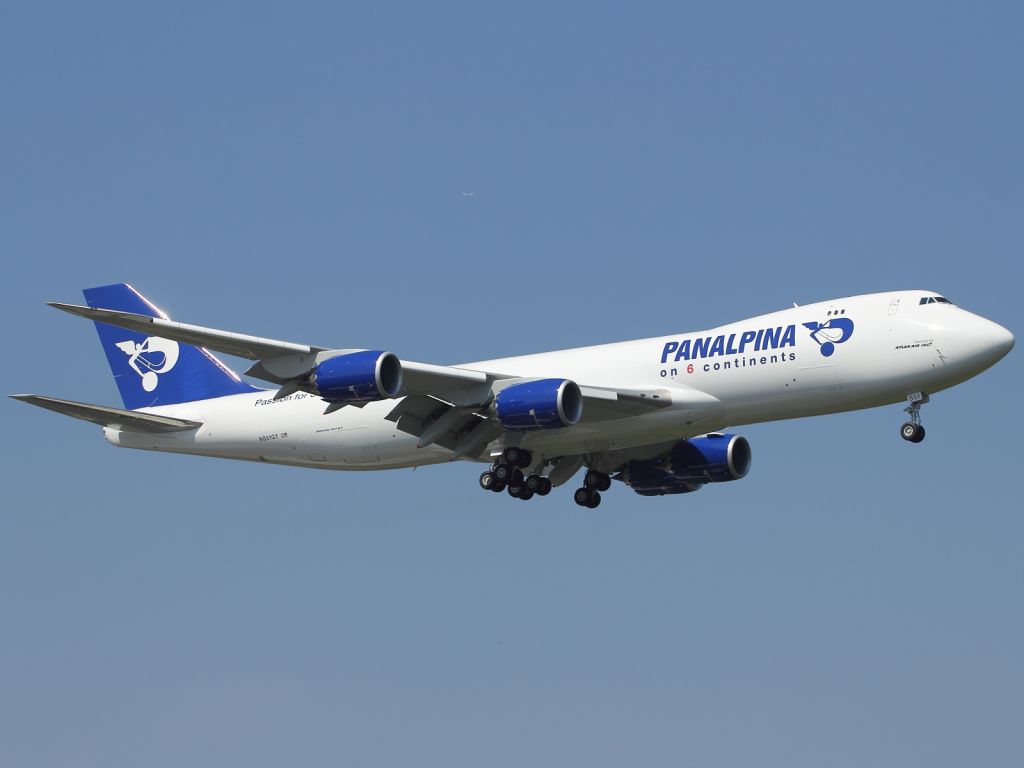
[[712, 458], [357, 377], [541, 404]]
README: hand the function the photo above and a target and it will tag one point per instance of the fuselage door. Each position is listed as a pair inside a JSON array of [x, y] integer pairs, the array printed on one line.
[[894, 306]]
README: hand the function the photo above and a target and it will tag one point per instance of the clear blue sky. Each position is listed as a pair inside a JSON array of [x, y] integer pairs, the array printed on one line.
[[298, 171]]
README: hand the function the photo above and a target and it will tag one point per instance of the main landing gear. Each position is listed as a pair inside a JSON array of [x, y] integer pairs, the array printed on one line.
[[507, 474], [590, 494], [912, 431]]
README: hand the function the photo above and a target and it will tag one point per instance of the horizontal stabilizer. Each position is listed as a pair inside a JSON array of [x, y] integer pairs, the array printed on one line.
[[132, 421]]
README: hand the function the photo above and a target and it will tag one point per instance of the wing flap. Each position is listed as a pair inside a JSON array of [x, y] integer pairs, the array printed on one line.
[[132, 421], [433, 420]]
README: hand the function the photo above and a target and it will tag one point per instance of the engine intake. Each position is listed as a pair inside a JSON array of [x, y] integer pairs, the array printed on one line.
[[357, 377], [541, 404]]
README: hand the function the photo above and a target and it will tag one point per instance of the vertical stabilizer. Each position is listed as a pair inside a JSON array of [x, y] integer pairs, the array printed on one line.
[[153, 371]]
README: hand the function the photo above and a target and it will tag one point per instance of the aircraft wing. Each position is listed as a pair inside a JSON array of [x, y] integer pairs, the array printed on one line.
[[132, 421], [443, 404], [278, 362]]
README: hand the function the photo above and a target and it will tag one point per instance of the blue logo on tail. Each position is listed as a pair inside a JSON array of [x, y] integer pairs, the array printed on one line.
[[831, 332], [150, 358]]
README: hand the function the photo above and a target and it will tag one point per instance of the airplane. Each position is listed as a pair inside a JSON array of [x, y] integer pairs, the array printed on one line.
[[648, 413]]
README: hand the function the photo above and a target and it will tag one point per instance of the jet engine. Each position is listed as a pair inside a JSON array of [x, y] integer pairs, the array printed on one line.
[[712, 458], [357, 377], [540, 404]]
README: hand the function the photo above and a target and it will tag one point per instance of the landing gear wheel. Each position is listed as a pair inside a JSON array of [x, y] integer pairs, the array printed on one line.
[[913, 433], [526, 494], [595, 499], [597, 481], [534, 483], [518, 457], [517, 484], [545, 487], [487, 481], [502, 473], [582, 496]]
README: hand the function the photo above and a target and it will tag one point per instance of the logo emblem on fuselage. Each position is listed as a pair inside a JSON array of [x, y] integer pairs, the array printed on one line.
[[151, 358], [831, 332]]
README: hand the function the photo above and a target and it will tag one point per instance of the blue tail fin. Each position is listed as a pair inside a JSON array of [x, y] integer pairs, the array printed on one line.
[[153, 371]]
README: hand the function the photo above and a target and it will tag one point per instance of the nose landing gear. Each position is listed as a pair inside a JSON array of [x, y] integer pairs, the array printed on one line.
[[912, 431]]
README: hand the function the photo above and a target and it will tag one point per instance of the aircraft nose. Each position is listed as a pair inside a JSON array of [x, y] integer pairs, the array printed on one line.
[[1002, 340], [980, 343]]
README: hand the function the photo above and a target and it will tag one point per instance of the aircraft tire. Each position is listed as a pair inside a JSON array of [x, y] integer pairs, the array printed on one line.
[[911, 432], [517, 457], [535, 483]]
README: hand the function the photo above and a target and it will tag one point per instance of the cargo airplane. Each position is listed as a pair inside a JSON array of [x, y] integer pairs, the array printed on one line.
[[647, 413]]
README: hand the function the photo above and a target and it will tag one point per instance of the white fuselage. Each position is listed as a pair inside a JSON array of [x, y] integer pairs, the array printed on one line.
[[726, 376]]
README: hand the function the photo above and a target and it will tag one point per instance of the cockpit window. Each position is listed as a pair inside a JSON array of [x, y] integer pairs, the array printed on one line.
[[934, 300]]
